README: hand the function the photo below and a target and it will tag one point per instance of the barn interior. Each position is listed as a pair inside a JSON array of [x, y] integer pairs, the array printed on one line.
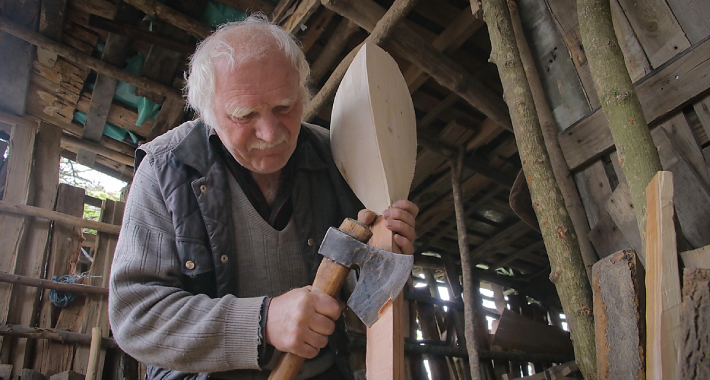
[[91, 80]]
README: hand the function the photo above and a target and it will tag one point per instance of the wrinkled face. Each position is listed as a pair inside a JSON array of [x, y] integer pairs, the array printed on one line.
[[258, 107]]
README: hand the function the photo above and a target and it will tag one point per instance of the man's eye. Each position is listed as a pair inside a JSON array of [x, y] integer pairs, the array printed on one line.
[[242, 119], [282, 109]]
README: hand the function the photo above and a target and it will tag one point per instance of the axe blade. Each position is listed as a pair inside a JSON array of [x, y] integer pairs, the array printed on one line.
[[382, 273]]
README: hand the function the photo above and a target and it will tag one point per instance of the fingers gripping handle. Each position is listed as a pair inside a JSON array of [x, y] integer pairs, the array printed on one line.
[[329, 279]]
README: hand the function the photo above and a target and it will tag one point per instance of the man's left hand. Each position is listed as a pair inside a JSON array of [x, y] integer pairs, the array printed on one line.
[[400, 219]]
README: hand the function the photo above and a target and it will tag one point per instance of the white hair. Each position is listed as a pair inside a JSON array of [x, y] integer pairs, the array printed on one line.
[[253, 36]]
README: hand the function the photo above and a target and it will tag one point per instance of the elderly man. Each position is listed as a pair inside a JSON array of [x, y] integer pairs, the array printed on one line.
[[225, 215]]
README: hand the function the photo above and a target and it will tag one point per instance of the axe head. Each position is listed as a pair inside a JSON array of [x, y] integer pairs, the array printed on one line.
[[382, 273]]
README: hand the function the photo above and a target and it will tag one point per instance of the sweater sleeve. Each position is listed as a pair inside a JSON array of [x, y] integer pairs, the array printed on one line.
[[153, 319]]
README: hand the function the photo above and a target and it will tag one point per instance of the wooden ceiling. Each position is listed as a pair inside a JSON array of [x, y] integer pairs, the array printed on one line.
[[442, 50]]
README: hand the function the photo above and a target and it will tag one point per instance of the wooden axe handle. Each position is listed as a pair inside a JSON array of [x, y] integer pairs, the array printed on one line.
[[329, 279]]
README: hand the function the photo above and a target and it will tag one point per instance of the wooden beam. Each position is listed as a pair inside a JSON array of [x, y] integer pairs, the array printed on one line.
[[51, 21], [540, 245], [18, 209], [695, 349], [17, 56], [407, 43], [619, 296], [661, 92], [48, 284], [76, 56], [663, 300], [132, 32], [335, 45], [111, 154], [163, 12], [66, 337], [299, 17], [503, 238], [318, 25]]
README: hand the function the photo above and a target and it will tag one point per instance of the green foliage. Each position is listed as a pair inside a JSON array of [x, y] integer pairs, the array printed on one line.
[[78, 175]]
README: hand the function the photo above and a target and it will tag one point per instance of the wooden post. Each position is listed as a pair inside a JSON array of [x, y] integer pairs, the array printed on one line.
[[472, 343], [663, 300], [568, 270], [549, 132], [637, 154], [18, 209], [92, 370], [619, 308]]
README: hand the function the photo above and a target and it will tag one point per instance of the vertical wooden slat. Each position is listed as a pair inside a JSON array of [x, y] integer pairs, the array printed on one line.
[[96, 307], [693, 16], [16, 190], [663, 302], [695, 355], [45, 179]]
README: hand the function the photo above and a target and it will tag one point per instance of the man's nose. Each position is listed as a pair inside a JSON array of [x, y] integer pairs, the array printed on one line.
[[268, 128]]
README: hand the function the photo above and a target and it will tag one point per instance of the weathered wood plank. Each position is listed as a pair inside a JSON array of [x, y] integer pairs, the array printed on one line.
[[693, 16], [300, 15], [635, 58], [619, 309], [17, 55], [695, 350], [621, 210], [702, 110], [660, 93], [688, 145], [45, 180], [595, 191], [663, 301], [163, 12], [657, 29], [692, 197], [516, 332], [16, 189], [606, 237], [119, 115], [697, 258]]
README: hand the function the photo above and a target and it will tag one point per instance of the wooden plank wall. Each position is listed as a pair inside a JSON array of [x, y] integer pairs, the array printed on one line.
[[667, 51]]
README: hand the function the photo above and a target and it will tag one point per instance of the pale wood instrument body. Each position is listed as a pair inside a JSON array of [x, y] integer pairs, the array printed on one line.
[[374, 143]]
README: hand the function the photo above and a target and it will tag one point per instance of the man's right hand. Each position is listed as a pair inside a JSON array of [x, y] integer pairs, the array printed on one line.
[[300, 321]]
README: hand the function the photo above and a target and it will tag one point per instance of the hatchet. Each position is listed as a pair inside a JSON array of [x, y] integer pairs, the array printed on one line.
[[373, 139]]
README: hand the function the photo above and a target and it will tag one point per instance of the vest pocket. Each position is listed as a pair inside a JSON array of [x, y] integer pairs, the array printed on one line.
[[195, 258]]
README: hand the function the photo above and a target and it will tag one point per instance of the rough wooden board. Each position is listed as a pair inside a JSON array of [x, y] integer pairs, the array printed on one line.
[[621, 210], [695, 350], [697, 258], [300, 15], [50, 25], [594, 190], [693, 16], [548, 26], [17, 55], [636, 62], [657, 29], [503, 238], [45, 104], [65, 243], [661, 92], [687, 144], [606, 237], [68, 79], [16, 189], [702, 110], [618, 316], [45, 180], [428, 161], [374, 97], [692, 199], [517, 332], [119, 115], [663, 301]]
